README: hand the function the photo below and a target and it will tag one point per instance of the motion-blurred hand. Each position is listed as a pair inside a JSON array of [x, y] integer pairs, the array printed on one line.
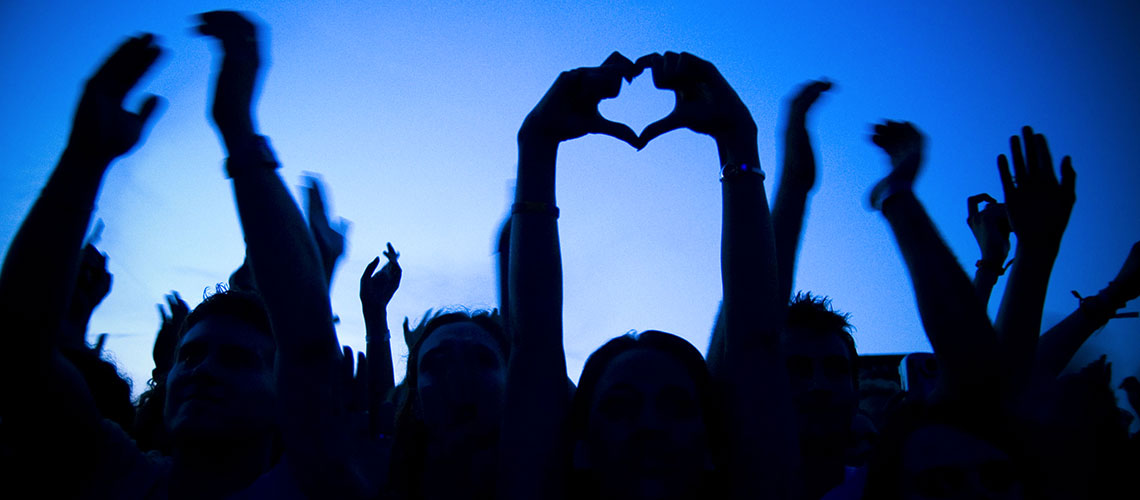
[[806, 97], [102, 129], [330, 240], [167, 339], [903, 143], [237, 78]]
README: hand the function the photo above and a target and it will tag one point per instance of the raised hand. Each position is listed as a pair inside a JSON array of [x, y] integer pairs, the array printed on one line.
[[806, 97], [330, 240], [903, 143], [991, 230], [237, 79], [376, 290], [705, 102], [1039, 206], [102, 129], [93, 283], [91, 287], [167, 339], [570, 108]]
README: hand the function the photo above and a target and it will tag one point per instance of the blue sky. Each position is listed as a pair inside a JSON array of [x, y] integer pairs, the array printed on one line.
[[409, 112]]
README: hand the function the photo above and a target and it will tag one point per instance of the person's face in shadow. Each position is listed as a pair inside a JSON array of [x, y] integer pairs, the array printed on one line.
[[942, 462], [461, 376], [221, 383], [646, 435], [819, 371]]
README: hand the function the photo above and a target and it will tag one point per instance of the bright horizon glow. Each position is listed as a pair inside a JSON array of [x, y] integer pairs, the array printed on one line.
[[409, 113]]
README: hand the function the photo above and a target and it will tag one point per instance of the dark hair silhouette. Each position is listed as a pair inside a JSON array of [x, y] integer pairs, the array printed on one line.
[[241, 304], [411, 434], [813, 313], [582, 484]]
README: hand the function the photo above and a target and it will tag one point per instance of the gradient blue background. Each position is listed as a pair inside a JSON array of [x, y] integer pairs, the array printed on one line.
[[409, 111]]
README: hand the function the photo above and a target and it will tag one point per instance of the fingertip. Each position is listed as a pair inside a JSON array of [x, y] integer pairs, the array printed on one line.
[[149, 106]]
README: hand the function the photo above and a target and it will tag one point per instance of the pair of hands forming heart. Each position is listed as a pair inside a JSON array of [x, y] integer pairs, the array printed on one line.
[[705, 103]]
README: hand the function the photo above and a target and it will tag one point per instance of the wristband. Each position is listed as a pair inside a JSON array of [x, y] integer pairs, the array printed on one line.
[[535, 207], [1100, 308], [254, 155], [993, 267], [734, 170]]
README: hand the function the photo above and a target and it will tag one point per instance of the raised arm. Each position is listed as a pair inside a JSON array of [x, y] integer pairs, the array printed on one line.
[[376, 290], [954, 319], [797, 179], [762, 453], [1039, 206], [1058, 345], [991, 230], [286, 267], [56, 412], [330, 238], [42, 263], [536, 398]]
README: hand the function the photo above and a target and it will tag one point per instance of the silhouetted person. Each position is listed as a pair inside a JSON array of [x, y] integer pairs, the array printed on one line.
[[759, 457], [822, 365], [447, 428]]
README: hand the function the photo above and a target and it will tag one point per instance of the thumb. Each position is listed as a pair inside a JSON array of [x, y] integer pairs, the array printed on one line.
[[148, 108], [671, 122]]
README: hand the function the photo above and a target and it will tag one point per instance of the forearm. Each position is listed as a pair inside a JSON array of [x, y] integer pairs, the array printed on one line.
[[378, 351], [1057, 345], [40, 269], [1018, 321], [749, 273], [955, 322], [536, 375], [763, 456], [286, 266], [797, 179], [984, 281]]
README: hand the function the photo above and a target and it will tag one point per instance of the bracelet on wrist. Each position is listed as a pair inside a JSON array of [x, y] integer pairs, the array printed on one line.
[[731, 170], [254, 155], [994, 267], [1100, 308], [535, 207]]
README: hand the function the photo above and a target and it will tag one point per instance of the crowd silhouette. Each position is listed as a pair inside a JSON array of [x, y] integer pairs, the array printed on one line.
[[252, 395]]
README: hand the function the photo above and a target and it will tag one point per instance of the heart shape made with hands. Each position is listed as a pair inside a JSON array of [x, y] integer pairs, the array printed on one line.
[[640, 104]]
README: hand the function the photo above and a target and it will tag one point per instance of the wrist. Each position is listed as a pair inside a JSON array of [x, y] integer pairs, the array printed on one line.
[[83, 157], [536, 170], [251, 153], [738, 147]]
